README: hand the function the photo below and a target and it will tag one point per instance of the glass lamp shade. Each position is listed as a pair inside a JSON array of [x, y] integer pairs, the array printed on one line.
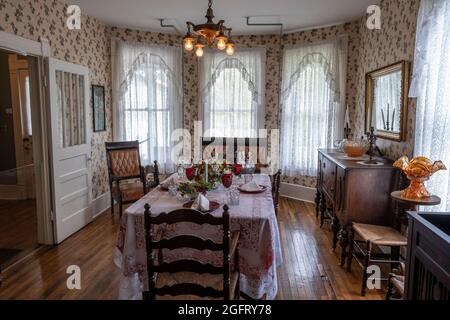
[[199, 50], [230, 48], [188, 42], [221, 42]]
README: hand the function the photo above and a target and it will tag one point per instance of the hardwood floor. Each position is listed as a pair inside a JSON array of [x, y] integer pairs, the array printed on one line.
[[18, 229], [310, 269]]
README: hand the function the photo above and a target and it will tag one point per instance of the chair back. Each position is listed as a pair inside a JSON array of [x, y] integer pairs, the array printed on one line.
[[276, 179], [187, 241], [219, 146], [123, 159]]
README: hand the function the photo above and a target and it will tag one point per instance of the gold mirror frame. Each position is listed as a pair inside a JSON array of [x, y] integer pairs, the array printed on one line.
[[404, 67]]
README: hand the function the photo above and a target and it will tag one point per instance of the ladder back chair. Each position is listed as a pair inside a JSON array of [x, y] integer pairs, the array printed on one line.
[[189, 278]]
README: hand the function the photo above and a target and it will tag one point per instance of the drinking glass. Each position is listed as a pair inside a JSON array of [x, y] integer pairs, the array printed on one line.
[[180, 171], [190, 173], [234, 196], [227, 180], [237, 168], [172, 188]]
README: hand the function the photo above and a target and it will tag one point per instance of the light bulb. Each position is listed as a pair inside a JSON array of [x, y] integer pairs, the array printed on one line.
[[230, 49], [199, 51], [221, 43], [188, 43]]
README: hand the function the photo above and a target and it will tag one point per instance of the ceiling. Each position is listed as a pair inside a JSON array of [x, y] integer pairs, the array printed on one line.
[[294, 14]]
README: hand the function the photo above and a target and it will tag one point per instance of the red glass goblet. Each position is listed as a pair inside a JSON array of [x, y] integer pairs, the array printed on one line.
[[237, 168], [190, 173], [227, 180]]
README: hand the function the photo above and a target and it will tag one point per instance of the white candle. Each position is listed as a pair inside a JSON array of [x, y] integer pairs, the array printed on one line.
[[347, 119]]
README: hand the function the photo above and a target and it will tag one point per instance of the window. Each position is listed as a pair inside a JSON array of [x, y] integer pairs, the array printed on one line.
[[232, 93], [431, 87], [148, 83], [312, 112]]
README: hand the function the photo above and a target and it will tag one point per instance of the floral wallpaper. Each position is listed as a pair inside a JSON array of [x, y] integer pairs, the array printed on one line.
[[378, 48], [90, 47]]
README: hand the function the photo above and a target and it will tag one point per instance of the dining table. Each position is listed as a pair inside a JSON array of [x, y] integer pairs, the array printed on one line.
[[254, 216]]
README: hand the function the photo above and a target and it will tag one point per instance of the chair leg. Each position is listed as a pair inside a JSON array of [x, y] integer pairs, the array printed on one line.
[[390, 288], [366, 265], [120, 209], [350, 251], [112, 205], [237, 293], [322, 209]]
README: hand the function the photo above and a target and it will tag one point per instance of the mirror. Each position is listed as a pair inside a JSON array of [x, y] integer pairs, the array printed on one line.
[[386, 101]]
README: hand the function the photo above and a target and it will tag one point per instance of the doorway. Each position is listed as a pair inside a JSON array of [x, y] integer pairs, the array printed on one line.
[[18, 209]]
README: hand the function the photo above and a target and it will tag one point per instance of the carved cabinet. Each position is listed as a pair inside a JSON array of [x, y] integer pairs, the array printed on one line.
[[350, 192]]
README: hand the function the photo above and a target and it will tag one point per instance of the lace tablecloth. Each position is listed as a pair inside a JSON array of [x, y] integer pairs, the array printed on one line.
[[259, 245]]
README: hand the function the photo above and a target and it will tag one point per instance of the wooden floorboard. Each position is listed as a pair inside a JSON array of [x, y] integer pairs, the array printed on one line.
[[310, 270]]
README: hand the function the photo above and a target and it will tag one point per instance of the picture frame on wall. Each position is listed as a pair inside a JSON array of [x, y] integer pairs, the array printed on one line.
[[98, 105]]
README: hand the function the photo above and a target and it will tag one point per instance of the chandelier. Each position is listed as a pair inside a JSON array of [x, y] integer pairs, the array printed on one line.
[[212, 32]]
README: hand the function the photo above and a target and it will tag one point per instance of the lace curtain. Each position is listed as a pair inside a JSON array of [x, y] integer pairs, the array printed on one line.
[[148, 99], [431, 87], [313, 89], [232, 93]]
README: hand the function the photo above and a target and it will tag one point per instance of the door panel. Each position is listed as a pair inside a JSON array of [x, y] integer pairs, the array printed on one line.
[[71, 149]]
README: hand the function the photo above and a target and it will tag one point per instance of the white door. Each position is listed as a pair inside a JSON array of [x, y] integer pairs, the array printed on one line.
[[71, 147]]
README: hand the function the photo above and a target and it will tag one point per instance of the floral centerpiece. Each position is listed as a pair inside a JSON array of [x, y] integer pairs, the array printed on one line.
[[208, 177]]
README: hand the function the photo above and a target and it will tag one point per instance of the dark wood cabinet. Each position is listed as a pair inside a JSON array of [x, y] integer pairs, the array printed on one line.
[[350, 192], [428, 258]]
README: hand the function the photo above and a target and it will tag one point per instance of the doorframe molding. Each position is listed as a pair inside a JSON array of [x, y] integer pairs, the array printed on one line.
[[42, 51]]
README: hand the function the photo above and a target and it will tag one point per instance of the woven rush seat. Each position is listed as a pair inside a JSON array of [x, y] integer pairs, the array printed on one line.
[[380, 235], [364, 239]]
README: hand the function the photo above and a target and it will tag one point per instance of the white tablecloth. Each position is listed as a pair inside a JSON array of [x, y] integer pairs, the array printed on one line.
[[259, 246]]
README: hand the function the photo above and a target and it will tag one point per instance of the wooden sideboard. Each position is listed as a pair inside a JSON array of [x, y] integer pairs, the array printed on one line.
[[350, 192]]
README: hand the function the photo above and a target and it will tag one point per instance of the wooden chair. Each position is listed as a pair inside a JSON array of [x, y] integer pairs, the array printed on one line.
[[396, 284], [276, 179], [127, 181], [191, 279], [363, 239], [153, 171]]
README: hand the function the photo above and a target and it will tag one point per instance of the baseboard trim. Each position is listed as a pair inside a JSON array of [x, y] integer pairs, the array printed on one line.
[[101, 204], [298, 192]]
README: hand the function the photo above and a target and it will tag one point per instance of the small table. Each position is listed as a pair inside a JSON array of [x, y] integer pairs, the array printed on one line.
[[406, 204]]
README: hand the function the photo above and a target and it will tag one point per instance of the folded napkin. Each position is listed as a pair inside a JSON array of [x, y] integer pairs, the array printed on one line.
[[201, 203], [251, 186]]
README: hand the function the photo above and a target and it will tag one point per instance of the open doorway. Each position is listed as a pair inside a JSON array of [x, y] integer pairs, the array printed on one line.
[[18, 209]]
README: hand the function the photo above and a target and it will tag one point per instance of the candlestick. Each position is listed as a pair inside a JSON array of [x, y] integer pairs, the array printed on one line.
[[206, 171], [347, 117]]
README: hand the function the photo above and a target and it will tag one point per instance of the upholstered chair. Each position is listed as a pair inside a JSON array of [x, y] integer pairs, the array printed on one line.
[[127, 178]]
